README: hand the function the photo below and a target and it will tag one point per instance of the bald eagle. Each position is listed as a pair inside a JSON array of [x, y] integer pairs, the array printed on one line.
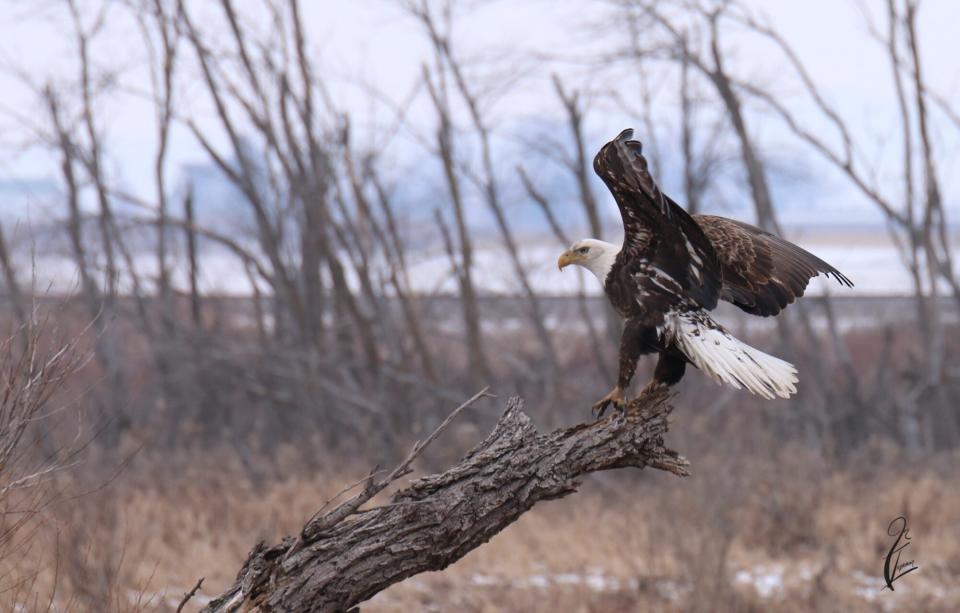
[[672, 270]]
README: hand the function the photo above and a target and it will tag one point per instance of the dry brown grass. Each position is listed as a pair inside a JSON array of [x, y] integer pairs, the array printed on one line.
[[627, 542], [765, 522]]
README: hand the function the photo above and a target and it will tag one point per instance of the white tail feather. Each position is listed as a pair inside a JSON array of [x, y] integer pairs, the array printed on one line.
[[727, 360]]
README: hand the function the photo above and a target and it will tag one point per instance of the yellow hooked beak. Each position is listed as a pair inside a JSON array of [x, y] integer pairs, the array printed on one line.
[[566, 258]]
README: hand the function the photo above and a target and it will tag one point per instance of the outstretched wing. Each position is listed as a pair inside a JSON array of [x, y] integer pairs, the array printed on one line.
[[656, 229], [762, 273]]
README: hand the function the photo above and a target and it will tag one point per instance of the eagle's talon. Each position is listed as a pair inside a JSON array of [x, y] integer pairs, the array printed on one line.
[[599, 408], [615, 397], [652, 388], [620, 406]]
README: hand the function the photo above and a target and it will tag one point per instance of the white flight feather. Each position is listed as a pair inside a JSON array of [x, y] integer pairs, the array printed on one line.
[[729, 360]]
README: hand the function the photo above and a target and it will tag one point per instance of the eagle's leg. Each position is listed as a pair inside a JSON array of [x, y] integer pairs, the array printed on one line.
[[633, 342], [670, 368]]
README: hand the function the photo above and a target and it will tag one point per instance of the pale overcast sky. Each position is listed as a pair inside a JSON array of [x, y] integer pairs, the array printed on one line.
[[370, 41]]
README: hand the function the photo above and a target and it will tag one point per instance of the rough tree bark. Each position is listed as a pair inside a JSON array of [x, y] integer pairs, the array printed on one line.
[[345, 556]]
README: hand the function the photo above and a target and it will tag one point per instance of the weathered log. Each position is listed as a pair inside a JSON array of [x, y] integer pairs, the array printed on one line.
[[341, 559]]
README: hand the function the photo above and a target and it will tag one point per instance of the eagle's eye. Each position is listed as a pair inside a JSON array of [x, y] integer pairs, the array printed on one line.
[[583, 250]]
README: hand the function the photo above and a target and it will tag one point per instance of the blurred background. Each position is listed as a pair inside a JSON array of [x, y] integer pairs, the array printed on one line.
[[250, 249]]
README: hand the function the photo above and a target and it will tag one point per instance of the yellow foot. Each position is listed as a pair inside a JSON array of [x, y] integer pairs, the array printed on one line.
[[615, 397], [653, 388], [653, 385]]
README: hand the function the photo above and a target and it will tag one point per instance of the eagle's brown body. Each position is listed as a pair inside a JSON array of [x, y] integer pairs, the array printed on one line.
[[673, 268]]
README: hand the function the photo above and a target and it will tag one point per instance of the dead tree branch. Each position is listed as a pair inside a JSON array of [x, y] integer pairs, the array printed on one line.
[[438, 519], [186, 597]]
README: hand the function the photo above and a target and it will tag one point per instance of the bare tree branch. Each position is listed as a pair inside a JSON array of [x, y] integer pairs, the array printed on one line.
[[438, 519], [189, 595]]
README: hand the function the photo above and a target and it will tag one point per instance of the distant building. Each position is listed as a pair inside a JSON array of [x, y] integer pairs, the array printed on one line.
[[29, 202], [217, 202]]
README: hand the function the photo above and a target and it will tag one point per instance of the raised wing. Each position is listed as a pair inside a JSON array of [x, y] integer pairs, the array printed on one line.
[[762, 273], [655, 228]]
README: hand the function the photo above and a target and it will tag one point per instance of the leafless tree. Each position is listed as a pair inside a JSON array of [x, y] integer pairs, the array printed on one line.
[[692, 39], [346, 554], [11, 282]]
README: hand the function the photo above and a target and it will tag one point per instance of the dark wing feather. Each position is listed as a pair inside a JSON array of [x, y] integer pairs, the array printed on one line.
[[762, 273], [656, 229]]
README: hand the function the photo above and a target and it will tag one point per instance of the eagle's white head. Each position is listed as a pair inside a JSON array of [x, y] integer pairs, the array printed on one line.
[[594, 255]]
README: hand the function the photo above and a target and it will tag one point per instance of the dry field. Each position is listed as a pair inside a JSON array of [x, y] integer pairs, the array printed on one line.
[[775, 516], [768, 528]]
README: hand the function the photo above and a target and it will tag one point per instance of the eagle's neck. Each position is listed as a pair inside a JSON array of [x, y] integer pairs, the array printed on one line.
[[600, 266]]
